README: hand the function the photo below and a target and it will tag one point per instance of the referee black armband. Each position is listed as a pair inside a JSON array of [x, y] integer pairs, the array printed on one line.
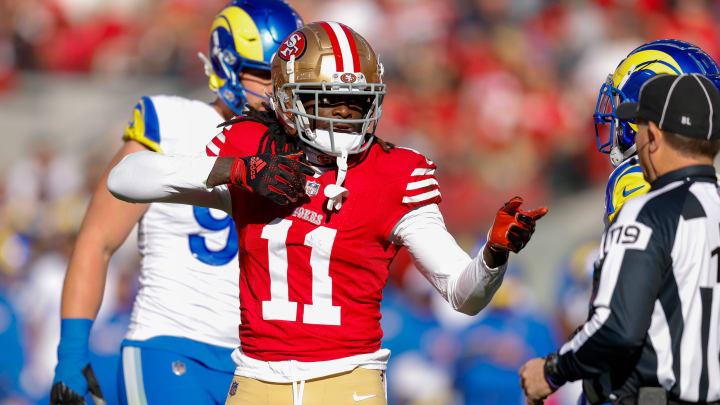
[[552, 375]]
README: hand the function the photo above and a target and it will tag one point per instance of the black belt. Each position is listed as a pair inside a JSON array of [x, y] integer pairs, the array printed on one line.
[[655, 396], [680, 402]]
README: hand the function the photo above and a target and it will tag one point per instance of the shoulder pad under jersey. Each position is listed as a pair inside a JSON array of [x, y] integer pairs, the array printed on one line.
[[239, 140], [408, 180], [625, 182]]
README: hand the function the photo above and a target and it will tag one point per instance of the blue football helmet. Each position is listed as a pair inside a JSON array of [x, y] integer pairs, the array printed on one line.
[[245, 34], [617, 137]]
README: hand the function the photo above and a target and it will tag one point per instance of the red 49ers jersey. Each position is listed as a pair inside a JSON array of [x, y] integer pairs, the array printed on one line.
[[311, 280]]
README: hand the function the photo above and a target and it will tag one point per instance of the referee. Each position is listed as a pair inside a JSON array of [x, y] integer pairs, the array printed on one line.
[[655, 324]]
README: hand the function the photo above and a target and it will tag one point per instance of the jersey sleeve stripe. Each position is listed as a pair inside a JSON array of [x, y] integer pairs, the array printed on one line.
[[421, 184], [132, 136], [422, 172], [144, 126], [421, 197], [152, 125], [212, 149]]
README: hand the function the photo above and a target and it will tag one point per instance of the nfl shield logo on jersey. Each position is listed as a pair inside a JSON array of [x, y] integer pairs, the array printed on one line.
[[312, 188], [233, 388], [178, 367]]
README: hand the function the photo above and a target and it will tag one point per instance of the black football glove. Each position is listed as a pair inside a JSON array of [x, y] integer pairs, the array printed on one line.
[[61, 394], [280, 178]]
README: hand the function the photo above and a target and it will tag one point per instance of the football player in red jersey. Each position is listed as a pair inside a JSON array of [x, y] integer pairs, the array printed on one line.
[[321, 207], [182, 331]]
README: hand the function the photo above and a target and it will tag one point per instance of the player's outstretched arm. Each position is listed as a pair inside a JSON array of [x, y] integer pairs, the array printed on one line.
[[200, 180], [468, 284], [146, 177], [105, 227]]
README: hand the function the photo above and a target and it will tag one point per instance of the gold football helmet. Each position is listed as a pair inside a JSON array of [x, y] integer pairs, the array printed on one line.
[[322, 59]]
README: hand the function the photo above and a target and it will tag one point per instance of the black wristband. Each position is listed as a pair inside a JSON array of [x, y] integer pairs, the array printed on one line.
[[550, 370]]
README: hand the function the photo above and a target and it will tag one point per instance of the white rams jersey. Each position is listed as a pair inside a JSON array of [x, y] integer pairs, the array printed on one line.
[[189, 276]]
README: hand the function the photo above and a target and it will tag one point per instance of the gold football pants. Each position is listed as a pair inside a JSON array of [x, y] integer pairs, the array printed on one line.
[[357, 387]]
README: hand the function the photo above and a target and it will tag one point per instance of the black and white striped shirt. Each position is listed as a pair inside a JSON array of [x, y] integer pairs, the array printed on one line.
[[656, 312]]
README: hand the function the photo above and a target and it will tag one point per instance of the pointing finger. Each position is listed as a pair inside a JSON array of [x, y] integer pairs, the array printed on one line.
[[538, 213], [512, 205]]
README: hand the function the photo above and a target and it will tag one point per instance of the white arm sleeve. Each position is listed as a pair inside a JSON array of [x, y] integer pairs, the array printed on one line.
[[144, 177], [467, 284]]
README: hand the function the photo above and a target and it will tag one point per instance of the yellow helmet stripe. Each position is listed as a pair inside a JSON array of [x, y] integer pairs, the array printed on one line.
[[658, 63], [244, 31], [632, 62]]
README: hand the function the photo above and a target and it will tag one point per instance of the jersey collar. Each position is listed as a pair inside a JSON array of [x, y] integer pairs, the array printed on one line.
[[694, 173]]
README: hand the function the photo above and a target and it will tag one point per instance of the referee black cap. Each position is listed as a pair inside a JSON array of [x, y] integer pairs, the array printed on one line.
[[687, 105]]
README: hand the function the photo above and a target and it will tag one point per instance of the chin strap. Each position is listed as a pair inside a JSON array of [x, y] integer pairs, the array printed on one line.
[[617, 156], [336, 192]]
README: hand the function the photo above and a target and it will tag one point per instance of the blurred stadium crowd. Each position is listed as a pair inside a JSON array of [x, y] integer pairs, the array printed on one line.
[[499, 93]]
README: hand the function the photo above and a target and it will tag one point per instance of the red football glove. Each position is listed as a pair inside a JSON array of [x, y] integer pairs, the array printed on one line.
[[280, 178], [513, 227]]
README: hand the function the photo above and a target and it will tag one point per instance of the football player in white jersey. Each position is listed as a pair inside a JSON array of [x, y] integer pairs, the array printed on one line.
[[616, 137], [186, 314]]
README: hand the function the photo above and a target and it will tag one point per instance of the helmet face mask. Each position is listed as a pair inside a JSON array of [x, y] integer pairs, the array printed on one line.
[[327, 61], [333, 135], [610, 131]]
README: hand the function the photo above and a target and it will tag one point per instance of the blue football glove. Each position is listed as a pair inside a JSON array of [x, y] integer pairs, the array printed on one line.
[[73, 376]]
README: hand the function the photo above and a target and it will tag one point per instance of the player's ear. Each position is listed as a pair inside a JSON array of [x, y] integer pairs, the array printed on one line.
[[655, 136]]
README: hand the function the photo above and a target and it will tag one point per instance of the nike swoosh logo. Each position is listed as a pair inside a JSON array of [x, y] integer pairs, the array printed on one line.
[[627, 192], [360, 398]]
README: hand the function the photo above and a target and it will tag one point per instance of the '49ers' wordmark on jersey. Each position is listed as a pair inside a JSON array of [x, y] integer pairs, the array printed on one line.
[[312, 280]]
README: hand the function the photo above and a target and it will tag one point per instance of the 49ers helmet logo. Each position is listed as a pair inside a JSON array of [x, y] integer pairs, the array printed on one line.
[[293, 45], [348, 78]]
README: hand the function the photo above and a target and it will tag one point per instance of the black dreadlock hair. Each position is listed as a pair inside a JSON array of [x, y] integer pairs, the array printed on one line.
[[275, 139], [385, 145]]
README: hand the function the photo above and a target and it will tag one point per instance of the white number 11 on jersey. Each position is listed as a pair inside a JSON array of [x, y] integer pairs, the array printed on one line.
[[321, 311]]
